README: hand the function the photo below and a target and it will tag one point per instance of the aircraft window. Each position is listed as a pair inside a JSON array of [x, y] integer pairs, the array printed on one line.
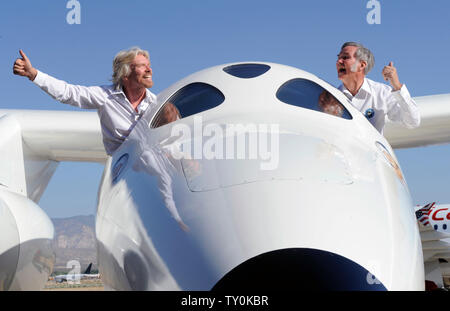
[[307, 94], [246, 71], [191, 99]]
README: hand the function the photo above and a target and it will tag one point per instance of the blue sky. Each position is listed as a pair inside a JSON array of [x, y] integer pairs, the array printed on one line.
[[186, 36]]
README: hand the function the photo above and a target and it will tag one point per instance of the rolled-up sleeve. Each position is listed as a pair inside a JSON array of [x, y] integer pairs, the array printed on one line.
[[87, 97]]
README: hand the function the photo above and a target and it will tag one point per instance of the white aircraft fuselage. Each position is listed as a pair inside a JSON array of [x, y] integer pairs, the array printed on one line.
[[322, 202]]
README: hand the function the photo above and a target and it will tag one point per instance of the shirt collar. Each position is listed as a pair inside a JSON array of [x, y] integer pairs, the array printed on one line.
[[117, 90], [365, 88], [148, 99]]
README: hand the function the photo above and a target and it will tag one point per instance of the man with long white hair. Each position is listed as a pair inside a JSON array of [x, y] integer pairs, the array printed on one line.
[[375, 100], [119, 105]]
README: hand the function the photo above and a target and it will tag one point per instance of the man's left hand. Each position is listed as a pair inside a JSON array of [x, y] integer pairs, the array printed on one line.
[[390, 73]]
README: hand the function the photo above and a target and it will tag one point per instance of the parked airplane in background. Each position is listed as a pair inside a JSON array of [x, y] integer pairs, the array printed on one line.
[[237, 178], [77, 277], [434, 225]]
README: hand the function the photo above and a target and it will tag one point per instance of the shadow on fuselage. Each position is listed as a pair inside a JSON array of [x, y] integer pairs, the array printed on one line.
[[26, 266]]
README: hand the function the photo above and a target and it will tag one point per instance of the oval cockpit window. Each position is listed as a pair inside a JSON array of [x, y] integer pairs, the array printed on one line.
[[247, 71], [307, 94], [191, 99]]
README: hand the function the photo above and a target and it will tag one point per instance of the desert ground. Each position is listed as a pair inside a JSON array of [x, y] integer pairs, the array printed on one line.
[[84, 285]]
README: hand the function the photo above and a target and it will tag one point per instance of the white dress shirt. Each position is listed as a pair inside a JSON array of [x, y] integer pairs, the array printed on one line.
[[117, 116], [398, 106]]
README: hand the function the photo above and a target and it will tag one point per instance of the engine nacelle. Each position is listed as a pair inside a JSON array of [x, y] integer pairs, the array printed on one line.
[[26, 254]]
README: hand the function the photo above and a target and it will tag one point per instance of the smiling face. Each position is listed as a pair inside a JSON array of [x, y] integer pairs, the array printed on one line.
[[347, 65], [141, 73]]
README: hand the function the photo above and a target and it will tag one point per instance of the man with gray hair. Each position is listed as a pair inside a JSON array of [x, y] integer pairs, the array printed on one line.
[[375, 100], [119, 106]]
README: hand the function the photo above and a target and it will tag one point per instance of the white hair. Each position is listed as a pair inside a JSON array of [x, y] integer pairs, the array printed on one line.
[[121, 64], [362, 54]]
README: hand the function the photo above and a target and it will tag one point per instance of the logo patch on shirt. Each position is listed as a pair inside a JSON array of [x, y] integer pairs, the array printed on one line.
[[369, 113]]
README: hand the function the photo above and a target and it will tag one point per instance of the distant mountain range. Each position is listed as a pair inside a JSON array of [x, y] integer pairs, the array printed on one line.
[[74, 240]]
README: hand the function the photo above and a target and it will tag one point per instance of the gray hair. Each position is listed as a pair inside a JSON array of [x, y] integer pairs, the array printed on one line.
[[362, 54], [121, 64]]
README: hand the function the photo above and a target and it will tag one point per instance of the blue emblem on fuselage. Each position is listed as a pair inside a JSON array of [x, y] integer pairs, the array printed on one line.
[[369, 113], [119, 167]]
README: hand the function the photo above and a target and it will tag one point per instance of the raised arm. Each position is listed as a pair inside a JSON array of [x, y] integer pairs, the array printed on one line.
[[76, 95]]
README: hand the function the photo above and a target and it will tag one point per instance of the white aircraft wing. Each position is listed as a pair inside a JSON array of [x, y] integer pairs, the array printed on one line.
[[32, 143], [60, 135], [434, 128]]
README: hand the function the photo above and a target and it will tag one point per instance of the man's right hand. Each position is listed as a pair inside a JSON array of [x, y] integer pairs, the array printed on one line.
[[22, 67], [390, 74]]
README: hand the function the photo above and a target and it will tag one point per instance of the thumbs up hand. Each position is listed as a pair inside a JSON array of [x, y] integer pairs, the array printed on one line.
[[390, 73], [23, 67]]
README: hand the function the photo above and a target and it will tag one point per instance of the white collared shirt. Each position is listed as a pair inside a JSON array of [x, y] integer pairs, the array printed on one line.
[[117, 116], [398, 106]]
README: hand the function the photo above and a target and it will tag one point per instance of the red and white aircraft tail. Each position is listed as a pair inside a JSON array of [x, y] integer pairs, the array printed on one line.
[[434, 226]]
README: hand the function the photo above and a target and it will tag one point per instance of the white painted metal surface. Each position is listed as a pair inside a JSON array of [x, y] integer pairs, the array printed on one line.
[[358, 207], [434, 128], [61, 135], [25, 243]]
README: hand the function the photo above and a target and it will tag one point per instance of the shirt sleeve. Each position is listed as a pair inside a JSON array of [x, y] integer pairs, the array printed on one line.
[[91, 97], [402, 108]]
